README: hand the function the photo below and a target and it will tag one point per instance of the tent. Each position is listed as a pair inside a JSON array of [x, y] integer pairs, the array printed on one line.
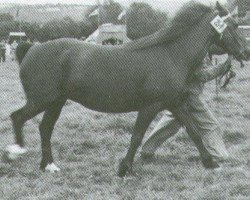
[[107, 32], [17, 36]]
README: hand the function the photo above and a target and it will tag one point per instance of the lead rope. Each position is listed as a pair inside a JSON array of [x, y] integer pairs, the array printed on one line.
[[216, 82]]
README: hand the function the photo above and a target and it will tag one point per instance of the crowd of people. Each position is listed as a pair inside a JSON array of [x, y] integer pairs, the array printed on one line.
[[3, 47], [7, 50], [112, 41]]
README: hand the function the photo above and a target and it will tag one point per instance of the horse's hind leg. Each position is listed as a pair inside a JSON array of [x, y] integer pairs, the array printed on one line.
[[46, 127], [19, 117], [144, 119]]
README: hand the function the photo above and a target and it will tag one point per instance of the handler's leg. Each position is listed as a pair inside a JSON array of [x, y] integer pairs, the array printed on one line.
[[208, 128], [166, 128], [203, 129], [184, 116]]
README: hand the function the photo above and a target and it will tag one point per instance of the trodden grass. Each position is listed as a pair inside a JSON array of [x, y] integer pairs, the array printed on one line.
[[87, 146]]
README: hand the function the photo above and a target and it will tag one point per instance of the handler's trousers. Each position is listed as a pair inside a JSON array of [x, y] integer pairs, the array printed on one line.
[[200, 125]]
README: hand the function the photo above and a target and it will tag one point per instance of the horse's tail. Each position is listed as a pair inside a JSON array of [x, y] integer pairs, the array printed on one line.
[[22, 50]]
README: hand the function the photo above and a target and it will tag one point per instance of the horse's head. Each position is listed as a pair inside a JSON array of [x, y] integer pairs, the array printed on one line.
[[228, 36]]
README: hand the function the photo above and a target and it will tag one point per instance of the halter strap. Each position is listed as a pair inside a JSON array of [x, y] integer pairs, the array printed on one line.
[[219, 24], [226, 17]]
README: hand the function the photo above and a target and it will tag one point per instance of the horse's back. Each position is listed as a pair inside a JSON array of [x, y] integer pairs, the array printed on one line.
[[102, 78], [47, 68], [114, 79], [109, 79]]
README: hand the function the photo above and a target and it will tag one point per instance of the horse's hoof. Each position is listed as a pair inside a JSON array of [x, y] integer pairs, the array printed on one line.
[[52, 168], [14, 151], [209, 163], [123, 169]]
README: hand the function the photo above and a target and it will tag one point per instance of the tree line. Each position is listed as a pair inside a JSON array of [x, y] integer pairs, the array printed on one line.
[[54, 29], [141, 20]]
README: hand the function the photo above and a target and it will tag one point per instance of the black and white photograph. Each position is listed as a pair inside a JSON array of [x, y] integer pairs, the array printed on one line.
[[125, 100]]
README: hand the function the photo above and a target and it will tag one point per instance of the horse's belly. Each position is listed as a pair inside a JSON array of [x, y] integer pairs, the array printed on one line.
[[106, 102]]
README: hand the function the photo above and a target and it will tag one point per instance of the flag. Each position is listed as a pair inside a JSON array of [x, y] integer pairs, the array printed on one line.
[[17, 12], [97, 11], [94, 13], [122, 14], [232, 4]]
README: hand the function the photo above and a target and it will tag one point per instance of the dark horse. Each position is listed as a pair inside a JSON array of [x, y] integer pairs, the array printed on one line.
[[216, 50], [148, 75]]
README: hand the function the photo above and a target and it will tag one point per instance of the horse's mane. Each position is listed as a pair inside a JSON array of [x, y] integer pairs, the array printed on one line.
[[187, 17]]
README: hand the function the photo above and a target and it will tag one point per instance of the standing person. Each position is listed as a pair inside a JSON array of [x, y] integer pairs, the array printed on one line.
[[13, 49], [2, 51], [200, 123], [8, 50]]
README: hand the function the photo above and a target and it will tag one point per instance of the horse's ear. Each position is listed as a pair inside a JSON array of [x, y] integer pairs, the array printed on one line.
[[222, 11]]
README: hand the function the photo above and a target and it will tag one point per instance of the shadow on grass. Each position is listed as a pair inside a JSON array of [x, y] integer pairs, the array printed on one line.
[[234, 137], [163, 160], [83, 147], [247, 116]]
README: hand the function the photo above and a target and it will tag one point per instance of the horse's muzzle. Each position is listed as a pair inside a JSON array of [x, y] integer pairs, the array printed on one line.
[[248, 54]]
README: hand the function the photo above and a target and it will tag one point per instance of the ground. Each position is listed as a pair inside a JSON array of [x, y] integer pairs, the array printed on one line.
[[87, 146]]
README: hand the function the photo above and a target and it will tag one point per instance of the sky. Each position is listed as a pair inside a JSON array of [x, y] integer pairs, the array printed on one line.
[[170, 6]]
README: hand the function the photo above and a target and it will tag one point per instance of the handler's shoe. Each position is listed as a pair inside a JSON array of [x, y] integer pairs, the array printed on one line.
[[210, 163]]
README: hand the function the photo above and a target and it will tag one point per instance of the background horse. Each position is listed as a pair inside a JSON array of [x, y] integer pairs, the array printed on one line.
[[148, 75]]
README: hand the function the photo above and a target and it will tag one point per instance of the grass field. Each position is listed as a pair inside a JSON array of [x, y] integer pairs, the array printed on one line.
[[87, 146]]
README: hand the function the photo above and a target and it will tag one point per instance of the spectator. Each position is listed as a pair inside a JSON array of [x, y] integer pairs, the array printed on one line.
[[8, 50], [13, 49], [2, 51]]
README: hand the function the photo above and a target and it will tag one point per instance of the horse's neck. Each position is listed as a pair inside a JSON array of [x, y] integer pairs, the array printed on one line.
[[194, 45]]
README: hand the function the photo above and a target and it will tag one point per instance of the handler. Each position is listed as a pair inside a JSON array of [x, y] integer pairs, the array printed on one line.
[[200, 123]]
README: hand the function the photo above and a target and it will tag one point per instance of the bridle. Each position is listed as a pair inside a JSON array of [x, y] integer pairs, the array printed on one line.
[[219, 24], [224, 18]]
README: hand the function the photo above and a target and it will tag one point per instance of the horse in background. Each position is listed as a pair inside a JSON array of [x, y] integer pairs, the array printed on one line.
[[22, 50], [148, 75]]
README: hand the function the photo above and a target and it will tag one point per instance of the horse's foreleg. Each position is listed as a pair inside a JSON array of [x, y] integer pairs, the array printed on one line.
[[46, 127], [19, 117], [144, 119]]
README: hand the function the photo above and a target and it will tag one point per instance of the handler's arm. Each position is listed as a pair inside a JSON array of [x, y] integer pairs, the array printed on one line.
[[205, 75]]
